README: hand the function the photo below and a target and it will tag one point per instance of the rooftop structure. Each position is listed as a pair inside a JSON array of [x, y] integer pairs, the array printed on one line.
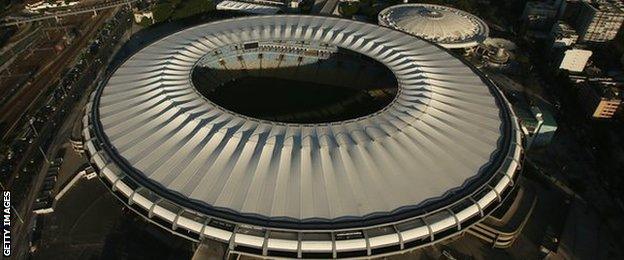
[[496, 53], [46, 5], [602, 99], [538, 125], [249, 6], [574, 59], [539, 15], [496, 56], [442, 154], [599, 21], [449, 27], [563, 35]]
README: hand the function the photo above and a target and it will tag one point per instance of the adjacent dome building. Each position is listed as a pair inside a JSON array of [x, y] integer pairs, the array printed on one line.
[[436, 157], [449, 27]]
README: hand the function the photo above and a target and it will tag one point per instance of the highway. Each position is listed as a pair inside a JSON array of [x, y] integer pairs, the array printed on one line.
[[73, 11], [11, 112], [92, 74]]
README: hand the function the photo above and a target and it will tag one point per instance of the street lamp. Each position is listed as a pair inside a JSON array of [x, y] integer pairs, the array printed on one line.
[[30, 122]]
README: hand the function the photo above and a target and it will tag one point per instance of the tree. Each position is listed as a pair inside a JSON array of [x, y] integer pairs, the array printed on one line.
[[348, 8], [306, 6], [468, 6], [369, 8]]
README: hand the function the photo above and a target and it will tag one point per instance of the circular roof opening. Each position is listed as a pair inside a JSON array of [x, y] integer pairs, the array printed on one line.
[[314, 85]]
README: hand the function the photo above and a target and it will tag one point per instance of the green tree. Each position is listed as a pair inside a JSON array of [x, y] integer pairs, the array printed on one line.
[[348, 8], [192, 7], [468, 6], [306, 6], [369, 8]]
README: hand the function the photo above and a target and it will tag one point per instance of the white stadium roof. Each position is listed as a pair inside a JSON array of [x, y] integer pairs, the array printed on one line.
[[449, 27], [447, 137], [249, 7]]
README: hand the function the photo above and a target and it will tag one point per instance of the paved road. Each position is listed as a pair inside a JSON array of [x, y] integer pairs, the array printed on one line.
[[15, 108], [73, 11], [60, 138]]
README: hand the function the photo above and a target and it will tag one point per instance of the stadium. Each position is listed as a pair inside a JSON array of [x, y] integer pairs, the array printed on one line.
[[449, 27], [303, 137]]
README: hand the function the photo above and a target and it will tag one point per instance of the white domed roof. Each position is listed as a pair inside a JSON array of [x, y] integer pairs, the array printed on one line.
[[449, 27]]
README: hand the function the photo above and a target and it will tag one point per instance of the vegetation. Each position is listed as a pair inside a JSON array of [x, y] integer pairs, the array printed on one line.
[[163, 9], [168, 10], [306, 6], [371, 8], [366, 8], [466, 5], [348, 8], [145, 22], [4, 4], [192, 7]]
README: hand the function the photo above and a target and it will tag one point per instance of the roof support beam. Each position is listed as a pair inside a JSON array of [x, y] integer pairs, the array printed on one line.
[[401, 243], [368, 247], [334, 252], [498, 196], [455, 217], [478, 206], [174, 223], [114, 185], [299, 237], [265, 243], [232, 243], [203, 228], [428, 228], [150, 213], [131, 197]]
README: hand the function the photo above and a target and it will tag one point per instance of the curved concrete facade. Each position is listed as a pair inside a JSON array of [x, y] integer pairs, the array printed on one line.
[[437, 159]]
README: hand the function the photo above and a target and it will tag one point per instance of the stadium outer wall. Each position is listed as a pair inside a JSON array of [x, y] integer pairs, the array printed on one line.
[[274, 242]]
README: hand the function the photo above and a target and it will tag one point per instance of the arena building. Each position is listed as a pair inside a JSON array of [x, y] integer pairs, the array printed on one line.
[[303, 137], [449, 27]]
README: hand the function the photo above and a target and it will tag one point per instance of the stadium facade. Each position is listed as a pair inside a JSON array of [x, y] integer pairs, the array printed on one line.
[[449, 27], [441, 155]]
